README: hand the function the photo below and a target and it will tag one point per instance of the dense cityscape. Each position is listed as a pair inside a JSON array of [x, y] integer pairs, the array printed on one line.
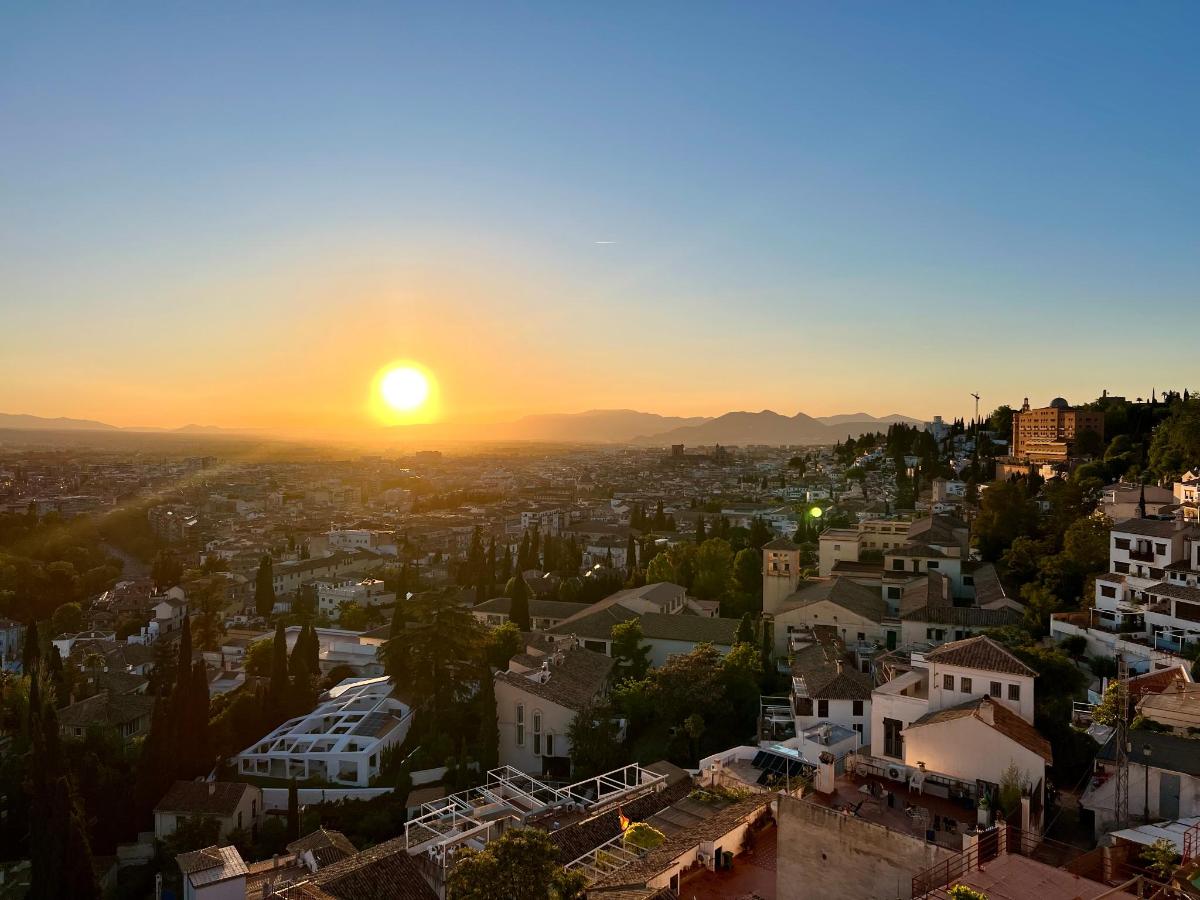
[[236, 668]]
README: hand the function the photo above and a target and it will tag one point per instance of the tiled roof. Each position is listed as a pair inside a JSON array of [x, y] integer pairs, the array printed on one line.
[[1175, 591], [575, 683], [384, 872], [552, 609], [1002, 719], [856, 598], [780, 544], [597, 624], [817, 664], [970, 616], [1160, 528], [327, 847], [206, 798], [666, 626], [979, 652], [715, 826], [581, 837], [210, 865], [106, 709]]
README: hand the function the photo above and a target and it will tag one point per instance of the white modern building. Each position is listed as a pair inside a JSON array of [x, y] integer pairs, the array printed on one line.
[[341, 740]]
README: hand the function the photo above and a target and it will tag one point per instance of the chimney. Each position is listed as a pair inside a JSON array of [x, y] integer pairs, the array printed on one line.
[[987, 711], [839, 665]]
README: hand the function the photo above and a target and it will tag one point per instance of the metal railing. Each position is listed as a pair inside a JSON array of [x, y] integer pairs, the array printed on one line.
[[1000, 839]]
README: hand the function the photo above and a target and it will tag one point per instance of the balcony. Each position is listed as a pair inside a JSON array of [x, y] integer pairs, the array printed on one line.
[[1146, 556]]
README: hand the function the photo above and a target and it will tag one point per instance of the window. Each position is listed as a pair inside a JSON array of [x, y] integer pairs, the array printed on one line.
[[965, 685], [1107, 590], [1121, 543], [948, 682], [862, 635], [932, 564], [1160, 549], [1014, 692], [893, 593], [898, 565], [858, 726], [520, 724], [1122, 567], [537, 732], [823, 709], [549, 745], [858, 708], [893, 740]]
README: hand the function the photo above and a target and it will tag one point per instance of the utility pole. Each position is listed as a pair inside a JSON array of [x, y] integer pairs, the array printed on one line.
[[1122, 744]]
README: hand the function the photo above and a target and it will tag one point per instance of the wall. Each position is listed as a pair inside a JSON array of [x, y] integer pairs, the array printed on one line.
[[822, 853], [556, 720], [968, 749], [940, 698], [661, 649], [277, 798]]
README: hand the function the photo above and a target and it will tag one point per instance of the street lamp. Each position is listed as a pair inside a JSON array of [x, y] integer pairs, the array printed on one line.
[[1146, 766]]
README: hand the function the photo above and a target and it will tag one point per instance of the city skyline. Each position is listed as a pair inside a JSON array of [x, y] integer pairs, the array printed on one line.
[[238, 217]]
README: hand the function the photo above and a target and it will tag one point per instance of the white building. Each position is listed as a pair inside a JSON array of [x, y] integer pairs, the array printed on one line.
[[1147, 606], [362, 539], [214, 873], [233, 804], [332, 593], [957, 715], [537, 699], [341, 740]]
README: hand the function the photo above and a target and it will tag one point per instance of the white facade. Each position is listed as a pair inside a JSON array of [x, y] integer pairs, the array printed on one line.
[[332, 594], [341, 740]]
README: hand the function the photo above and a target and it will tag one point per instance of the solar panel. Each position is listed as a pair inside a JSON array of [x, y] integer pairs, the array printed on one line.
[[759, 758]]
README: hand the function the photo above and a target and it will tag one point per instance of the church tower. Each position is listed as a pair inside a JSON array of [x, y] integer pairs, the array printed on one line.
[[781, 573]]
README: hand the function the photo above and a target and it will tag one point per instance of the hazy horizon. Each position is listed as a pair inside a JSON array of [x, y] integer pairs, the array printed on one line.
[[239, 216]]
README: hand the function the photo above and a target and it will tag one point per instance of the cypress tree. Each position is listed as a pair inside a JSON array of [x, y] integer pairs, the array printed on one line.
[[31, 651], [200, 743], [745, 631], [535, 554], [506, 568], [264, 588], [60, 855], [631, 555], [523, 553], [518, 610], [700, 531], [489, 731], [490, 565], [277, 692], [314, 652]]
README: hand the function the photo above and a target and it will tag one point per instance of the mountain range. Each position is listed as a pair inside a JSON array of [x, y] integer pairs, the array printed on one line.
[[596, 426]]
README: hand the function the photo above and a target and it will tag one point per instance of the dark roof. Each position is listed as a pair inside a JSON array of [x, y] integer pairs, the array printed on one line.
[[969, 616], [780, 544], [697, 629], [979, 652], [818, 665], [581, 837], [1167, 751], [549, 609], [106, 709], [1002, 719], [327, 847], [850, 595], [1174, 591], [856, 567], [203, 798], [598, 623], [1160, 528], [988, 588], [575, 683], [385, 872]]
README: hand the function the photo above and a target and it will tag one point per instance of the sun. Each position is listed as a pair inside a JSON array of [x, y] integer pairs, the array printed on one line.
[[404, 392], [404, 388]]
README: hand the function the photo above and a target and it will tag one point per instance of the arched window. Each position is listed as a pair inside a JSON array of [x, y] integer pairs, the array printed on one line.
[[520, 724]]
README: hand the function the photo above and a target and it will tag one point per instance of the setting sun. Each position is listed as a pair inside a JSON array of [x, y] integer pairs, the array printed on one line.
[[404, 392], [404, 389]]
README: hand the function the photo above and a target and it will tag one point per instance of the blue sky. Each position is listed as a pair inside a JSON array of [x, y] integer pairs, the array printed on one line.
[[823, 207]]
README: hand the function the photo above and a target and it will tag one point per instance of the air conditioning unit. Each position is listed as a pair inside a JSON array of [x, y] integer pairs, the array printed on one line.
[[896, 771]]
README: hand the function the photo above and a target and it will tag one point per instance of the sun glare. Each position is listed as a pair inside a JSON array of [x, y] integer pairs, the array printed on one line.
[[404, 392], [404, 389]]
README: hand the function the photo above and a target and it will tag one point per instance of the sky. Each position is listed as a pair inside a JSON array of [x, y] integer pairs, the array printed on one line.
[[236, 214]]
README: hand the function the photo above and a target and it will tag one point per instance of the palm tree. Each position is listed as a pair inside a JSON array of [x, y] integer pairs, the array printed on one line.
[[436, 653]]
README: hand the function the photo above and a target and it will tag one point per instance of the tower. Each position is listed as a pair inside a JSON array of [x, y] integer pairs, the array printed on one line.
[[781, 573]]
